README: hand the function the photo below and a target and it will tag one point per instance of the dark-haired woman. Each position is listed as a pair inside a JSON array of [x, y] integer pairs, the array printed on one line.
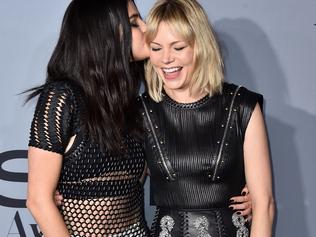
[[84, 135]]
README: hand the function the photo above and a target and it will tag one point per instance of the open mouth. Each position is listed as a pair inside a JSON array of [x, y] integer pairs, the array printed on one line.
[[171, 70]]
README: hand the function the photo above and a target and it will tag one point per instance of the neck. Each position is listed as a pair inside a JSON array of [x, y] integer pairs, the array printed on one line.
[[184, 96]]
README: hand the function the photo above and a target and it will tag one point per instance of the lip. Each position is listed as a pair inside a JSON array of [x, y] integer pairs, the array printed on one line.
[[171, 73]]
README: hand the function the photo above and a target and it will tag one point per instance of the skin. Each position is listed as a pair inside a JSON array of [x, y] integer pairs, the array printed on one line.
[[168, 52]]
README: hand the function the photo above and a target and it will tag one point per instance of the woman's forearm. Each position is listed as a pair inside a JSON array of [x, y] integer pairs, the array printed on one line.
[[48, 218], [262, 221]]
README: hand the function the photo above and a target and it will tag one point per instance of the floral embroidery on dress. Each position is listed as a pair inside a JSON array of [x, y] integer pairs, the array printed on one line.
[[239, 222], [166, 225], [201, 224]]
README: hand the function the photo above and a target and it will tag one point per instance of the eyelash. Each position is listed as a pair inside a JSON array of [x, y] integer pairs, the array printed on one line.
[[133, 24], [177, 49]]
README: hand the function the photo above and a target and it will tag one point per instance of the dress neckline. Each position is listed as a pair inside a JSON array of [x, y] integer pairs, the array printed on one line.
[[192, 105]]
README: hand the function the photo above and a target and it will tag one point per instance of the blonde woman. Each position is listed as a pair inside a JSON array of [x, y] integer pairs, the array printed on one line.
[[206, 138]]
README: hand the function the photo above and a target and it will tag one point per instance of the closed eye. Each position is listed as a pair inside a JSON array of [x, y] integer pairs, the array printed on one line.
[[155, 49], [180, 48], [133, 22]]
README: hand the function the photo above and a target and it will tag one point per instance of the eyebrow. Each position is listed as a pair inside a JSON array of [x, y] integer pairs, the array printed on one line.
[[172, 43]]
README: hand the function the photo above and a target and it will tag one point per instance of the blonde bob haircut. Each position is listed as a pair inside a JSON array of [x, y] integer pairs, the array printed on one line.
[[187, 19]]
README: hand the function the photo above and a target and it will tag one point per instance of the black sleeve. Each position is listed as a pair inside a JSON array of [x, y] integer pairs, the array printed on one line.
[[248, 101], [51, 126]]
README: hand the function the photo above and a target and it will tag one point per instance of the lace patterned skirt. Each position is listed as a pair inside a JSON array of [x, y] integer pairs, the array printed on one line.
[[217, 222]]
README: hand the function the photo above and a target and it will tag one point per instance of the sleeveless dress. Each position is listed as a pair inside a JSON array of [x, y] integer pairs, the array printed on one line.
[[195, 157], [102, 192]]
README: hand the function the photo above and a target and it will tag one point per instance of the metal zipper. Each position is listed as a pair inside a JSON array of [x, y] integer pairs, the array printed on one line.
[[219, 157], [171, 177]]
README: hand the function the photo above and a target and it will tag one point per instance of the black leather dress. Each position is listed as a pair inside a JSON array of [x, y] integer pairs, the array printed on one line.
[[195, 157]]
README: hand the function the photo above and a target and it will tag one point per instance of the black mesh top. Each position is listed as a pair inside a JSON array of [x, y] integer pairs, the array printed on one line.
[[189, 156], [102, 192]]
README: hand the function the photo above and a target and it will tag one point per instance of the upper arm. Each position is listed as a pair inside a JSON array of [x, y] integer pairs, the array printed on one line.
[[256, 157], [43, 172]]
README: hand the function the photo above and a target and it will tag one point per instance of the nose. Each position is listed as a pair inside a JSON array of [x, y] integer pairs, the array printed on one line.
[[142, 26], [167, 57]]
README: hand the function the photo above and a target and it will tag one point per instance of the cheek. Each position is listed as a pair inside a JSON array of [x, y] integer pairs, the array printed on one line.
[[189, 58], [137, 46], [155, 64], [138, 37], [153, 58], [135, 40]]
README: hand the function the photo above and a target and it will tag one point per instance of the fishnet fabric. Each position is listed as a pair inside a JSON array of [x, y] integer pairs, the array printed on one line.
[[102, 192]]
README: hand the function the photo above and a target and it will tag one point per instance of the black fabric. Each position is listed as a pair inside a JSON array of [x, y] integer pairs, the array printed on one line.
[[102, 192], [190, 136]]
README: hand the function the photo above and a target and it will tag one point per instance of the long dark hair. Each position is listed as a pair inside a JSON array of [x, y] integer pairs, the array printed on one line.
[[94, 52]]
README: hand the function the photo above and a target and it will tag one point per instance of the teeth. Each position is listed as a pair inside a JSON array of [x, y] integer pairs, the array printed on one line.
[[171, 70]]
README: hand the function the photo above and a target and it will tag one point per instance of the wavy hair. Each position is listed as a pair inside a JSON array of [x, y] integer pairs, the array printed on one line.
[[94, 52], [188, 19]]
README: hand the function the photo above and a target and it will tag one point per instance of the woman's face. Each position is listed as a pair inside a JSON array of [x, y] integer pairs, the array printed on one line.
[[140, 49], [172, 58]]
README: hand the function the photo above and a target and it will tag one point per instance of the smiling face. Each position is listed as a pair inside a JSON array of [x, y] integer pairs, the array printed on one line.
[[173, 60], [138, 27]]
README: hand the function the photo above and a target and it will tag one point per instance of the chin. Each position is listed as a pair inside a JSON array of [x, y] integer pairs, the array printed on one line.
[[170, 86]]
